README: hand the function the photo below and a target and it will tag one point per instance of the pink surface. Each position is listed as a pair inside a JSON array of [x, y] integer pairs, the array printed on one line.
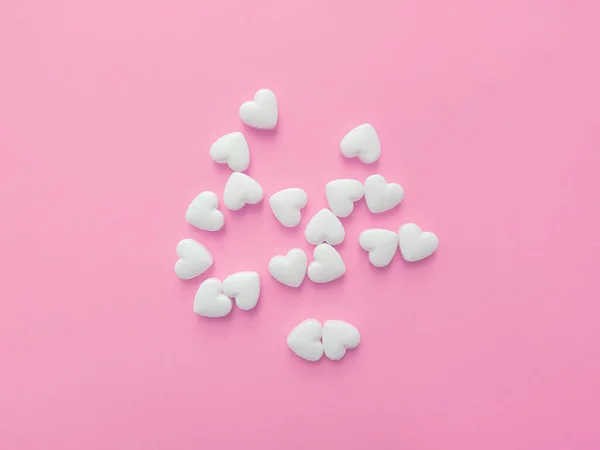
[[488, 116]]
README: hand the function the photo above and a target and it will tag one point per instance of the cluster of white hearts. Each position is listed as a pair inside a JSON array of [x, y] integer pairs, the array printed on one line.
[[324, 230]]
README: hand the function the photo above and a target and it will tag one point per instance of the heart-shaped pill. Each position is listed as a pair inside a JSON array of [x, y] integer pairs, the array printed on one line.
[[233, 150], [415, 244], [194, 259], [327, 266], [338, 336], [210, 300], [262, 112]]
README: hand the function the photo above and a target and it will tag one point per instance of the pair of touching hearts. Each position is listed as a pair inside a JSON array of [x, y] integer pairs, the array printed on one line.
[[291, 269], [309, 340], [240, 189], [213, 297], [379, 195], [413, 243]]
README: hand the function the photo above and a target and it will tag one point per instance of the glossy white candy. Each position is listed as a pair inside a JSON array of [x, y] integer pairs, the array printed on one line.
[[416, 244], [262, 112], [381, 244], [380, 195], [327, 266], [289, 269], [363, 142], [203, 213], [325, 227], [305, 340], [194, 259], [341, 195], [210, 300], [241, 189], [233, 150], [244, 287], [338, 336], [286, 205]]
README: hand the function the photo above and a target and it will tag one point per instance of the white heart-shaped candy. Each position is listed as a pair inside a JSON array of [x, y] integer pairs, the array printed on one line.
[[261, 112], [325, 227], [381, 245], [416, 244], [289, 269], [338, 336], [381, 195], [327, 266], [194, 259], [341, 195], [241, 189], [233, 150], [210, 301], [203, 213], [286, 205], [305, 340], [244, 287], [363, 142]]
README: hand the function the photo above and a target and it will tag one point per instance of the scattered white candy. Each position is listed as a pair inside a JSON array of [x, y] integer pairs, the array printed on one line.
[[363, 142], [286, 205], [289, 269], [194, 259], [338, 336], [261, 112], [233, 150], [241, 189], [305, 340], [381, 245], [203, 213], [325, 227], [210, 301], [244, 287], [416, 244], [341, 195], [381, 195], [327, 266]]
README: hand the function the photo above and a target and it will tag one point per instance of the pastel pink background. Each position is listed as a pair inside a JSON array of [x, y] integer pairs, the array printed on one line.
[[488, 116]]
